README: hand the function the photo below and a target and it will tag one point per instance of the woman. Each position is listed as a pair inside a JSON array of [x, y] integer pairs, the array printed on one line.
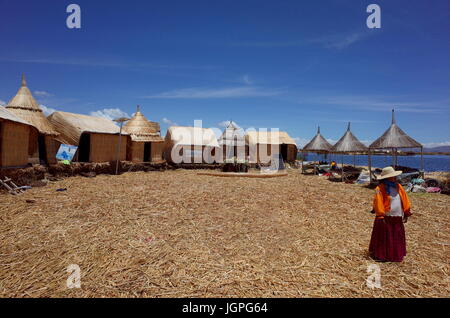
[[392, 208]]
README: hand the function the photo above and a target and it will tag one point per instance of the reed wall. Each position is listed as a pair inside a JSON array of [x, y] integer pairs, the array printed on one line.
[[103, 147], [14, 139]]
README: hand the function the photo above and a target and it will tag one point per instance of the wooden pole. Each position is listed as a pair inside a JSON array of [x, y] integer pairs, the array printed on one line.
[[370, 166], [118, 148], [422, 167], [396, 157], [303, 170], [393, 158]]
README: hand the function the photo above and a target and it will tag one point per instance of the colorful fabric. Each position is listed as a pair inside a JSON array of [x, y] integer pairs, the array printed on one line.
[[433, 190], [389, 185], [382, 201]]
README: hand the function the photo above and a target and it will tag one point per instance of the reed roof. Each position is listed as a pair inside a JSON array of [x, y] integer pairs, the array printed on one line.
[[192, 136], [26, 107], [318, 144], [141, 129], [71, 126], [269, 138], [7, 115], [395, 137], [349, 143]]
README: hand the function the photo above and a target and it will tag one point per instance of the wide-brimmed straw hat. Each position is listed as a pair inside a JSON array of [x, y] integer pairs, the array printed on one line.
[[388, 172]]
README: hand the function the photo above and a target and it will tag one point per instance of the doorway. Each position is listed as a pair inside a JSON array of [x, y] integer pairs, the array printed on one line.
[[84, 148], [147, 152], [284, 151], [42, 150], [1, 142]]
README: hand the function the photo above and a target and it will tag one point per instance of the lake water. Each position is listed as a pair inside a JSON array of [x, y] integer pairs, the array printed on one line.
[[431, 163]]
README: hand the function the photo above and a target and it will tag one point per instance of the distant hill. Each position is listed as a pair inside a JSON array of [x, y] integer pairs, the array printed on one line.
[[437, 149]]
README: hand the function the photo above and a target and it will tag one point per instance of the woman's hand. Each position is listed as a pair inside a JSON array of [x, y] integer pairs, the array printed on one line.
[[405, 219]]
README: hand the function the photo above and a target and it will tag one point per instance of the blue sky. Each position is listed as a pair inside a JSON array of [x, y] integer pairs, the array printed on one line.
[[290, 65]]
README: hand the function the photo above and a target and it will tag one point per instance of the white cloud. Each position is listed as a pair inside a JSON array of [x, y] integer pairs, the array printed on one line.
[[300, 141], [109, 113], [331, 141], [340, 41], [2, 103], [169, 122], [375, 103], [108, 63], [335, 41], [246, 80], [42, 94], [47, 110], [231, 92]]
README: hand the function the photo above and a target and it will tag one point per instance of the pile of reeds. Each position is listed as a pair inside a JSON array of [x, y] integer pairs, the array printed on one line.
[[180, 234]]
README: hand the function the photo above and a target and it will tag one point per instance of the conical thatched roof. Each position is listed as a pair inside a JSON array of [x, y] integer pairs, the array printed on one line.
[[318, 144], [394, 137], [232, 136], [349, 143], [26, 107], [142, 129]]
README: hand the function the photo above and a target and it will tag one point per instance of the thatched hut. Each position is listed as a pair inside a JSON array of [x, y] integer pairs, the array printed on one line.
[[232, 142], [24, 106], [16, 140], [190, 145], [146, 144], [393, 139], [97, 138], [266, 144]]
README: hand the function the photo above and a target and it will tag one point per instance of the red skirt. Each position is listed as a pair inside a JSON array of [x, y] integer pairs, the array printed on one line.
[[388, 242]]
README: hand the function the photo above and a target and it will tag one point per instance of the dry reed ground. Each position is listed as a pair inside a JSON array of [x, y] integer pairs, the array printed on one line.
[[178, 234]]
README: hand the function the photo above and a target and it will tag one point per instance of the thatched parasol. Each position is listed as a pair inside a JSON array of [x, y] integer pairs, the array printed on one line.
[[393, 138], [26, 107], [348, 144], [318, 144]]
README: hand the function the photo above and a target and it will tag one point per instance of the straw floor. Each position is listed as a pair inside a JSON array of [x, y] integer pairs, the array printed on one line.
[[179, 234]]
